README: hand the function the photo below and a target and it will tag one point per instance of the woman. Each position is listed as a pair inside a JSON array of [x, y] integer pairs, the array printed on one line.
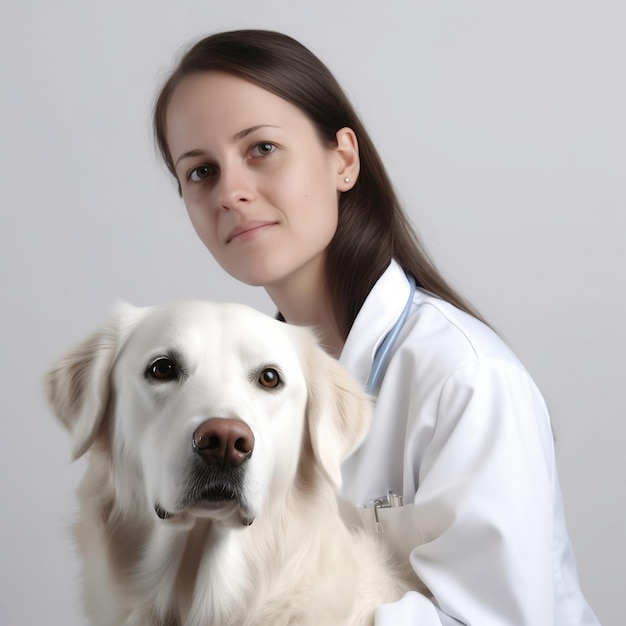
[[286, 190]]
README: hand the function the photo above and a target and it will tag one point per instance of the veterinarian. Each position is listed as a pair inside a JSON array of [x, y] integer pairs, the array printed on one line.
[[285, 188]]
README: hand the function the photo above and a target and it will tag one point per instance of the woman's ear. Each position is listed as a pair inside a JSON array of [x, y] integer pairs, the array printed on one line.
[[348, 162]]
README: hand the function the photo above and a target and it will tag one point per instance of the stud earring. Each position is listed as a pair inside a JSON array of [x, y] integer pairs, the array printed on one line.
[[346, 179]]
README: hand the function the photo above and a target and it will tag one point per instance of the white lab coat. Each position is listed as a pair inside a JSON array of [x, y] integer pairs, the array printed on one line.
[[462, 433]]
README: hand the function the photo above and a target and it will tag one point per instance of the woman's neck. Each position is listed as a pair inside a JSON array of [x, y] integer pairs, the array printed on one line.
[[303, 300]]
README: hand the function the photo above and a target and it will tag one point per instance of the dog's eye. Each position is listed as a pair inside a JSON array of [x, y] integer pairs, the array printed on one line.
[[162, 369], [269, 378]]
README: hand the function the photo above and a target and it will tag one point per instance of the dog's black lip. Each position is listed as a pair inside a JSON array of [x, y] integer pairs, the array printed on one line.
[[213, 494], [220, 494], [161, 512], [209, 496], [214, 485]]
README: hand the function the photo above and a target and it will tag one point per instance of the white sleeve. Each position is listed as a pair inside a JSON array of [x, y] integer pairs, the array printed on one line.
[[413, 608], [484, 502]]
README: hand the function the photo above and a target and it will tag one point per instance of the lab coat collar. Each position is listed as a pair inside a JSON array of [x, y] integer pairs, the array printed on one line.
[[379, 313]]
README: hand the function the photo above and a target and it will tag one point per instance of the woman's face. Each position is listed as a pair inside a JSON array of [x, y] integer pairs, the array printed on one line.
[[259, 186]]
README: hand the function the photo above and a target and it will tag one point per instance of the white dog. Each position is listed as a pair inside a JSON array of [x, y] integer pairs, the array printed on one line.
[[215, 437]]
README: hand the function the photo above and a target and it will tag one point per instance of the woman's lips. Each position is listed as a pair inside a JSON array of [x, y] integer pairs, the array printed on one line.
[[247, 231]]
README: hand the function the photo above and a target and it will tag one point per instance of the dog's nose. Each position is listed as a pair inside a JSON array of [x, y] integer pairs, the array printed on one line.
[[224, 442]]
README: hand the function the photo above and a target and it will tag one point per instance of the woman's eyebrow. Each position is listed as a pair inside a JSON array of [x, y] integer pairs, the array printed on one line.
[[240, 135], [186, 155], [246, 131]]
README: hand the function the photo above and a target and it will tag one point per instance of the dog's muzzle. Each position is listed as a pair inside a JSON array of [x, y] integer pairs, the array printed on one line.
[[222, 447]]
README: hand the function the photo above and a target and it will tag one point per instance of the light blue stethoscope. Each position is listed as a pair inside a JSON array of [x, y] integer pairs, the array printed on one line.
[[383, 352]]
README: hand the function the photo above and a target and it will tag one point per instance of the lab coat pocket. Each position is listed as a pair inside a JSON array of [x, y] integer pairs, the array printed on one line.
[[397, 528]]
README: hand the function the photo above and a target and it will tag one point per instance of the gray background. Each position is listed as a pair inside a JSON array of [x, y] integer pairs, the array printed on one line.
[[501, 123]]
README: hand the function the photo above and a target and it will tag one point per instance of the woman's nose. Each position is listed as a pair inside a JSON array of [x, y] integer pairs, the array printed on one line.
[[234, 187]]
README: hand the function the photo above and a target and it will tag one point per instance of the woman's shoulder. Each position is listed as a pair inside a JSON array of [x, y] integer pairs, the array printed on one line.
[[448, 356], [442, 335]]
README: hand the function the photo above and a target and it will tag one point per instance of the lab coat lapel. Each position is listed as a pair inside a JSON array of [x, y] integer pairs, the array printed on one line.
[[379, 313]]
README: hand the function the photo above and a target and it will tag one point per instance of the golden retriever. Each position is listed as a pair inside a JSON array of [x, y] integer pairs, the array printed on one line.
[[215, 436]]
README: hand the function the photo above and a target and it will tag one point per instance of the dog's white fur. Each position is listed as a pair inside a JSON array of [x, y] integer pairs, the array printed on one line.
[[201, 563]]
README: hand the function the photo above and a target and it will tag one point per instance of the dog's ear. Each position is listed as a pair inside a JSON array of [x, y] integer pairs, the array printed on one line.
[[338, 411], [78, 386]]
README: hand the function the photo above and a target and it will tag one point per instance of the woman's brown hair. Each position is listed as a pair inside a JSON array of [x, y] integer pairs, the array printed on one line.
[[372, 227]]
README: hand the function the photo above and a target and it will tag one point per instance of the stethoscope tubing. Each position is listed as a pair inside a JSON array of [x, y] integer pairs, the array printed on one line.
[[383, 352]]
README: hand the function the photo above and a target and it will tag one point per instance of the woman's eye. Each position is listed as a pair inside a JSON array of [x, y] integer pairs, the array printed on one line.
[[269, 378], [162, 368], [201, 172], [263, 149]]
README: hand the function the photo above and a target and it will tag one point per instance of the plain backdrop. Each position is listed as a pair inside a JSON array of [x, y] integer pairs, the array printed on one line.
[[502, 125]]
